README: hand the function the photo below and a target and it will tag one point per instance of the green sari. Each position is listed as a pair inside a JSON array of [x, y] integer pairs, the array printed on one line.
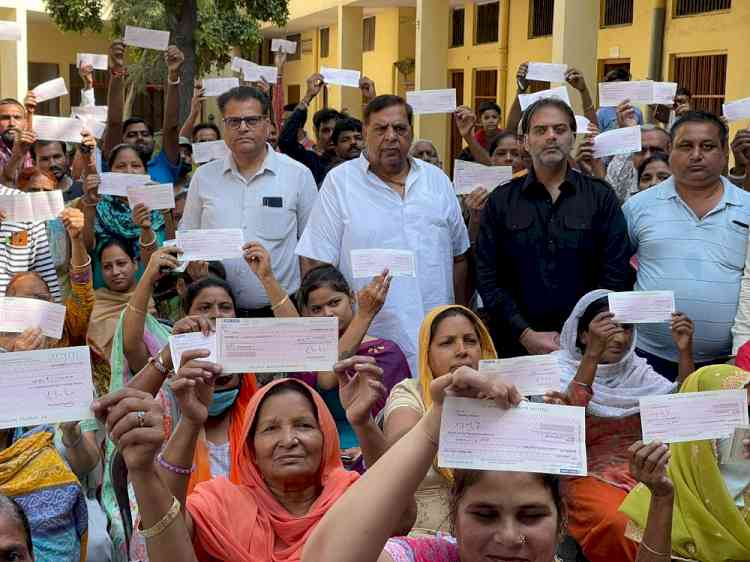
[[707, 525]]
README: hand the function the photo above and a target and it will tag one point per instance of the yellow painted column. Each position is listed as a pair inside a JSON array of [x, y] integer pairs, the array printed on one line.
[[348, 56], [431, 72], [13, 57], [574, 38]]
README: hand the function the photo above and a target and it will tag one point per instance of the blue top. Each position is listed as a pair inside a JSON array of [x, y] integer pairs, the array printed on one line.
[[700, 259], [607, 117]]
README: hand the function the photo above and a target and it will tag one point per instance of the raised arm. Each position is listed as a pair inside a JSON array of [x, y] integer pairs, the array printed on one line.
[[115, 97], [388, 486], [136, 427], [171, 128], [575, 78], [465, 122], [147, 239], [195, 111], [741, 151], [648, 464], [515, 113], [682, 334], [24, 140], [134, 321], [277, 97]]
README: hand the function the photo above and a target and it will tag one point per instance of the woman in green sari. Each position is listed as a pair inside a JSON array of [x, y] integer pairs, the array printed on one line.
[[711, 521]]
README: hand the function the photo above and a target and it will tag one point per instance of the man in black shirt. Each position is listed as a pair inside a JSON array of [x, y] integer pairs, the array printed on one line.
[[547, 238]]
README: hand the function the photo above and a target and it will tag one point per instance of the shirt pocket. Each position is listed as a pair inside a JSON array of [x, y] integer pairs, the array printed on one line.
[[274, 223], [735, 239], [521, 235], [577, 234]]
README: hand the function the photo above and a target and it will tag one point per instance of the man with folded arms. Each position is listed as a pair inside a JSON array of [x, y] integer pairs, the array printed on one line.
[[546, 239], [385, 199], [266, 194], [690, 235]]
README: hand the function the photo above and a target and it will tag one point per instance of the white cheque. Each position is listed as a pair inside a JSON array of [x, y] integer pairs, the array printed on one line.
[[582, 125], [283, 45], [693, 416], [624, 140], [180, 343], [533, 437], [642, 307], [209, 150], [213, 87], [146, 38], [277, 345], [98, 62], [532, 375], [210, 244], [32, 207], [736, 110], [370, 262], [117, 183], [19, 314], [64, 129], [467, 176], [45, 386], [340, 76], [50, 90], [560, 93], [155, 197], [546, 71], [432, 101]]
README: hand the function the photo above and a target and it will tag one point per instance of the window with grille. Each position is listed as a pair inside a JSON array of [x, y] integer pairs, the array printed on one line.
[[542, 14], [487, 22], [368, 34], [485, 87], [705, 77], [691, 7], [325, 42], [457, 27], [297, 38], [617, 12]]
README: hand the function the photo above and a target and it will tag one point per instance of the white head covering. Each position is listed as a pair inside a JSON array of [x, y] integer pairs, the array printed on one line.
[[618, 386]]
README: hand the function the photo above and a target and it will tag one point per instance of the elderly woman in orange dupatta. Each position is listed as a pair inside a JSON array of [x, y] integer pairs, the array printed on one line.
[[284, 478]]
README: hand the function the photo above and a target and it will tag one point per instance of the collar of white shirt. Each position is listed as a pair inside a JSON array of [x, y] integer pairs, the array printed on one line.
[[270, 163], [415, 168]]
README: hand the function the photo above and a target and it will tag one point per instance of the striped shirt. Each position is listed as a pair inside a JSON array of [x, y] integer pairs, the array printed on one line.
[[700, 259], [34, 255]]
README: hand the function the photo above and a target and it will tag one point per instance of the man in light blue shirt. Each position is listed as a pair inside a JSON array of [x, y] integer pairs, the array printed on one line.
[[690, 235]]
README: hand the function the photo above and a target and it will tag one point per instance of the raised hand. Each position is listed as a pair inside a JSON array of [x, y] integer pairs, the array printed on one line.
[[648, 465], [575, 78], [521, 81], [193, 385], [468, 383], [465, 120], [315, 83], [475, 202], [601, 328], [258, 258], [165, 258], [174, 59], [141, 216], [86, 72], [117, 55], [626, 114], [360, 387], [682, 331], [367, 87], [372, 297], [91, 189], [29, 340], [741, 148], [73, 221], [134, 421]]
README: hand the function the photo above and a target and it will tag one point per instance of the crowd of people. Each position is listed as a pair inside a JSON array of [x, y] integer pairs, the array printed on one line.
[[186, 462]]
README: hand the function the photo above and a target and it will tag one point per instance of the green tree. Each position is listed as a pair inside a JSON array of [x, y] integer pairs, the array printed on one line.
[[205, 31]]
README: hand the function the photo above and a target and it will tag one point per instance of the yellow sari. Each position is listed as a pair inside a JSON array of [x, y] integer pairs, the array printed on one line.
[[706, 525]]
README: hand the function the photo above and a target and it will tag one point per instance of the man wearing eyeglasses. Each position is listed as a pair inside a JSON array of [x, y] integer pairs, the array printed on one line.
[[385, 199], [265, 193]]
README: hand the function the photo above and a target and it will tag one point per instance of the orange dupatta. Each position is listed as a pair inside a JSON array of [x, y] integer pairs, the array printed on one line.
[[240, 519], [236, 434]]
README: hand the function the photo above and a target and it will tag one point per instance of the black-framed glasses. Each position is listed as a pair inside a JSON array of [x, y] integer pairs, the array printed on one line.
[[251, 121]]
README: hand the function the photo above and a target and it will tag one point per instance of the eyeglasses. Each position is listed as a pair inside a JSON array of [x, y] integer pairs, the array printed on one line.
[[251, 122]]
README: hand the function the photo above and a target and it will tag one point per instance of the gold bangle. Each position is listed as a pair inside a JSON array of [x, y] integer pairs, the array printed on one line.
[[137, 310], [652, 551], [278, 304], [164, 522], [80, 267], [144, 245]]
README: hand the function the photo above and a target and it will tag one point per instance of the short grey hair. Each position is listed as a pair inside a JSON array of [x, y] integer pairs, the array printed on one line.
[[416, 142]]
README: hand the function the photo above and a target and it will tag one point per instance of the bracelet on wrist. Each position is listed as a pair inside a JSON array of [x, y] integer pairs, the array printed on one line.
[[174, 82], [144, 244], [182, 471], [278, 304], [164, 522], [75, 443]]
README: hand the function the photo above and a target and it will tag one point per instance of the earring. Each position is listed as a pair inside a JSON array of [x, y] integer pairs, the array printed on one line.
[[523, 539]]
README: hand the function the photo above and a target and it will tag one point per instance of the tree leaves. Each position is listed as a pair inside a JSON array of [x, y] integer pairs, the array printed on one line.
[[76, 15]]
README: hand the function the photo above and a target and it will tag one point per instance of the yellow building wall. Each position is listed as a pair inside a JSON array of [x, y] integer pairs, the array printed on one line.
[[47, 44], [378, 63], [706, 34]]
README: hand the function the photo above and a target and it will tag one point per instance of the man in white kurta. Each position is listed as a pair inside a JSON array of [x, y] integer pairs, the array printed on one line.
[[387, 200]]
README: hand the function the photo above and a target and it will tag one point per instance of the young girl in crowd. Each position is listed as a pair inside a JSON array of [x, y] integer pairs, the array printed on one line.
[[325, 292], [601, 372], [144, 230], [494, 515], [450, 337]]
